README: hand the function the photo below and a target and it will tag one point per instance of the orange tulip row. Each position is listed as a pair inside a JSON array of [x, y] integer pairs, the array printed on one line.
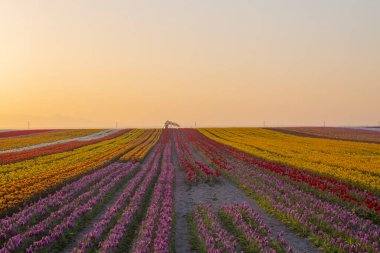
[[139, 153]]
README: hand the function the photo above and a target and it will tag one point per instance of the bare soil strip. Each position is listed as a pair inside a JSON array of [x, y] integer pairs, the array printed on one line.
[[374, 129], [183, 205], [83, 138], [365, 135], [221, 193]]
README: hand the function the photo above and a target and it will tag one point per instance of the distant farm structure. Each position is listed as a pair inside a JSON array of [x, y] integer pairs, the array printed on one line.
[[169, 124]]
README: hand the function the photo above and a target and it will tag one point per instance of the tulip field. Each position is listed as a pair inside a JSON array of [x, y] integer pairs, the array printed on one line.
[[190, 190]]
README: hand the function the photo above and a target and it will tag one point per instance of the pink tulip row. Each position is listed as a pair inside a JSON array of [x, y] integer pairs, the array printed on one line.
[[51, 229], [164, 228], [99, 228], [117, 233], [251, 229], [339, 228], [156, 227], [119, 218], [10, 226], [209, 234]]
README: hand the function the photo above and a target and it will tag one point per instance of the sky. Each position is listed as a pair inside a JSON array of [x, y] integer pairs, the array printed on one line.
[[93, 63]]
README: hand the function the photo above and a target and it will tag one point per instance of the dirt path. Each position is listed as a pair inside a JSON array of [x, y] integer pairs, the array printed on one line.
[[221, 193], [217, 195], [373, 129], [183, 205], [6, 130], [83, 138]]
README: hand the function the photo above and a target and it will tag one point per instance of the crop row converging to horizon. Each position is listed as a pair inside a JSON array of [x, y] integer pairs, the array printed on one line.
[[116, 193]]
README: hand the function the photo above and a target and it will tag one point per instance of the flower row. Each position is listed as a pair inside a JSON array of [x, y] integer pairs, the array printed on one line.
[[43, 228], [189, 160], [44, 137], [236, 228], [119, 221], [156, 227], [108, 220], [139, 153], [18, 156], [207, 232], [362, 201], [353, 162], [39, 210], [7, 134], [252, 232]]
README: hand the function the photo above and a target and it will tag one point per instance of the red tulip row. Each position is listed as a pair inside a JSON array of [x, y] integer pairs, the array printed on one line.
[[21, 132], [196, 168]]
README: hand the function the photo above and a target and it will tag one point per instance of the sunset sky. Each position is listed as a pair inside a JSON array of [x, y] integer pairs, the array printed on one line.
[[217, 62]]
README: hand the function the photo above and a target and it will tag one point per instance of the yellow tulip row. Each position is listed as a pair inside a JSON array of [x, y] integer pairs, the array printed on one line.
[[355, 162], [23, 180], [57, 135], [139, 153]]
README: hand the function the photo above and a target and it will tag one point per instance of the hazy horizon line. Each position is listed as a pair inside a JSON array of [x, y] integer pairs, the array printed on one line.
[[209, 126]]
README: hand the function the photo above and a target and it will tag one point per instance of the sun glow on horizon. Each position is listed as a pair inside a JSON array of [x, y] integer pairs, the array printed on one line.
[[224, 63]]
